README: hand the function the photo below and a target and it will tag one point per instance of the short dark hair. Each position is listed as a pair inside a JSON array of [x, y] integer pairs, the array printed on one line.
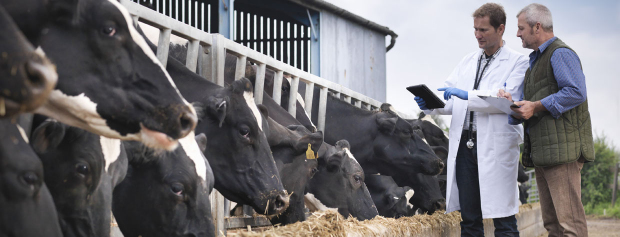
[[494, 11]]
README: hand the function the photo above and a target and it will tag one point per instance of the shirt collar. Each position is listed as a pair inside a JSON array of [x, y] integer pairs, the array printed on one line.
[[544, 46]]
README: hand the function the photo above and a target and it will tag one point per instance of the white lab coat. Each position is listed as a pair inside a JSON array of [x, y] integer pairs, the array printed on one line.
[[498, 142]]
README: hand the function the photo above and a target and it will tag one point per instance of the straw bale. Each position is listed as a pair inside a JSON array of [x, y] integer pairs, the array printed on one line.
[[331, 223]]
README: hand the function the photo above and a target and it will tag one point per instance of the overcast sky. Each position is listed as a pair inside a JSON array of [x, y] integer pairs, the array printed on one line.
[[433, 36]]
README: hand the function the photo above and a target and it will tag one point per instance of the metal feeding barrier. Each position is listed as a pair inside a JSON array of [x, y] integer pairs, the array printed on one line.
[[206, 56]]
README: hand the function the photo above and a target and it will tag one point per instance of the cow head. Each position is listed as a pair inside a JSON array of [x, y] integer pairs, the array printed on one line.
[[391, 200], [342, 187], [27, 76], [110, 82], [81, 170], [402, 149], [165, 193], [26, 204], [244, 169], [296, 157], [427, 197]]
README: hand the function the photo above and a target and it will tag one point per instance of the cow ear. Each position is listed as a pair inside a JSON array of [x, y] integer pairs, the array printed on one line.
[[421, 115], [242, 85], [315, 140], [263, 110], [47, 136], [217, 108], [201, 139], [342, 144], [64, 10], [440, 151]]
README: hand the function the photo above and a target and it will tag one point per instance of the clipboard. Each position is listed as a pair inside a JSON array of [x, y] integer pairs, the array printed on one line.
[[422, 91], [500, 103]]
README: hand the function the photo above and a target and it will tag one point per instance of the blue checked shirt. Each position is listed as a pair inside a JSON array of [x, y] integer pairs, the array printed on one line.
[[571, 81]]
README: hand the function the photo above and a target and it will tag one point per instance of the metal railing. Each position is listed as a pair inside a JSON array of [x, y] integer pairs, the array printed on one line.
[[211, 49]]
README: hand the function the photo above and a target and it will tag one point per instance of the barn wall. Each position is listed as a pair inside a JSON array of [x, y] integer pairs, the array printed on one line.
[[353, 56]]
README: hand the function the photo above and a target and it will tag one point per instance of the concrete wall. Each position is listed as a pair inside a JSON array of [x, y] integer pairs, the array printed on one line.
[[353, 56]]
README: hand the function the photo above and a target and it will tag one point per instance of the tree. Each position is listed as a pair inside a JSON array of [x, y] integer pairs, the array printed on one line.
[[597, 177]]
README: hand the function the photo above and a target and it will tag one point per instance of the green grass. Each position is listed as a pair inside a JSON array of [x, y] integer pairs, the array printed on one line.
[[603, 208]]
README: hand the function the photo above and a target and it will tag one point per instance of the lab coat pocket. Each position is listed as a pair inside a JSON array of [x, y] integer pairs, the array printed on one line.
[[506, 147]]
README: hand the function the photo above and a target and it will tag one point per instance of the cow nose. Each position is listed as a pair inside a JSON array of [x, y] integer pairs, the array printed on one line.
[[281, 203], [41, 77], [441, 165], [440, 204], [187, 122]]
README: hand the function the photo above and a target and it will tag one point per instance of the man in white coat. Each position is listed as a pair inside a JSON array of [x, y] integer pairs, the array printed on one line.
[[484, 149]]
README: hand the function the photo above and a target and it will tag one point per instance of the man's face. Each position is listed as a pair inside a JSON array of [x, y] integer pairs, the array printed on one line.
[[487, 36], [526, 33]]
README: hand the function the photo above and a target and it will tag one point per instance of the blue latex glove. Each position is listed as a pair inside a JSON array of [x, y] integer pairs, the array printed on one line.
[[421, 103], [451, 91]]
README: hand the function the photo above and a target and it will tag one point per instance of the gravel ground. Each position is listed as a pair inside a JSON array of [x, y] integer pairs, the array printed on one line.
[[601, 227]]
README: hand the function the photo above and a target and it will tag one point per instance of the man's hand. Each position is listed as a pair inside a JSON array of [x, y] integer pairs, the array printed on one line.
[[450, 91], [504, 94], [527, 109]]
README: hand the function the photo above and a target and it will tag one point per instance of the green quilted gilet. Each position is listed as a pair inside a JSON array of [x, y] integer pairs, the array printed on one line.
[[553, 141]]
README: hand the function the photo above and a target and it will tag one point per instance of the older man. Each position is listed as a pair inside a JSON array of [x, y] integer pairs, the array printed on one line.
[[484, 149], [558, 138]]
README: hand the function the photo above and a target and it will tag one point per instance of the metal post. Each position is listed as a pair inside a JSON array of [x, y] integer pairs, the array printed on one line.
[[322, 108], [347, 99], [240, 69], [163, 45], [260, 83], [192, 55], [615, 187], [277, 87], [225, 12], [292, 99], [207, 63], [309, 97], [358, 103], [218, 57]]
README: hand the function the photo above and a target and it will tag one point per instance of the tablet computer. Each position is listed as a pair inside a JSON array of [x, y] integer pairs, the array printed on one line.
[[422, 91]]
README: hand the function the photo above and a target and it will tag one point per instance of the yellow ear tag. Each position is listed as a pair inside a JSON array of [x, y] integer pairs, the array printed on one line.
[[310, 154]]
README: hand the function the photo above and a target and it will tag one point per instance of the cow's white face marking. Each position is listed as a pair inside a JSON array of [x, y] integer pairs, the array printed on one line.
[[408, 195], [139, 40], [111, 149], [314, 204], [79, 111], [21, 131], [346, 151], [249, 99], [424, 139], [193, 152], [396, 198]]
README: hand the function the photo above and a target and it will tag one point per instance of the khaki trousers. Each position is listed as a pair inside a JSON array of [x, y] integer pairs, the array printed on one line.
[[559, 189]]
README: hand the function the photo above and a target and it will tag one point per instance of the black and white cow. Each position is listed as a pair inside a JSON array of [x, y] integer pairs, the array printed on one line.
[[427, 197], [109, 81], [26, 76], [166, 193], [339, 184], [381, 141], [81, 170], [390, 199], [26, 204], [296, 167], [243, 165]]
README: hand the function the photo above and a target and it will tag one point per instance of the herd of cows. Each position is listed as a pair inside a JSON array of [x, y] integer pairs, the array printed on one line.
[[114, 132]]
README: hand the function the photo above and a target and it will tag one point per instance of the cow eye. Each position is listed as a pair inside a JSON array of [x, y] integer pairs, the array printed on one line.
[[30, 178], [109, 30], [244, 131], [81, 168], [177, 189], [357, 178]]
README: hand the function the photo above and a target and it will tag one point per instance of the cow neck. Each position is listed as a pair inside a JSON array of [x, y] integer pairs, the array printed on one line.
[[346, 119]]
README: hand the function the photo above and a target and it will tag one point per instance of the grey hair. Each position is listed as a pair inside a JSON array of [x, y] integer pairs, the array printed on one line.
[[538, 13]]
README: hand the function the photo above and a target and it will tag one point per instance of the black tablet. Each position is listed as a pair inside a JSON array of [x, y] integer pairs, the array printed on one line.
[[432, 101]]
